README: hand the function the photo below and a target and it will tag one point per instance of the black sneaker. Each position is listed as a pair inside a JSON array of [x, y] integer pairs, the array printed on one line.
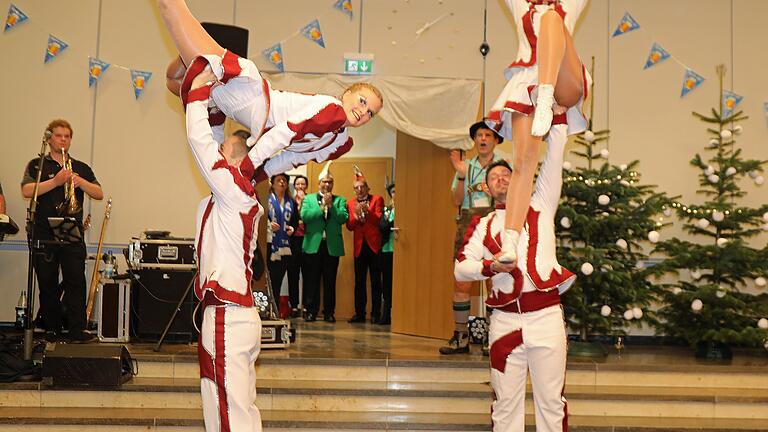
[[458, 344], [81, 338]]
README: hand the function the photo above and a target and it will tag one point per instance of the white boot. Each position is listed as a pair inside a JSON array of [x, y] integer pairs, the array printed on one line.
[[542, 117], [509, 246]]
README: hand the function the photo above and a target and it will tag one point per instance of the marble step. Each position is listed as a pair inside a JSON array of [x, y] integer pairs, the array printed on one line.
[[405, 397], [132, 419], [463, 371]]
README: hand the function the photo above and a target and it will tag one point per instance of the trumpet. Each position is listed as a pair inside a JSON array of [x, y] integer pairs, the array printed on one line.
[[70, 206]]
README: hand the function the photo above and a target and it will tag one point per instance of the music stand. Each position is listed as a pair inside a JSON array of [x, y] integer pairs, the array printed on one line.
[[7, 226], [65, 229]]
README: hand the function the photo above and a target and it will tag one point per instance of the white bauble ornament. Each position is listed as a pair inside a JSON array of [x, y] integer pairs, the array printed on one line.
[[637, 313], [567, 165], [714, 142], [695, 274], [667, 212], [622, 244], [589, 136], [759, 180], [605, 310], [653, 236], [623, 167], [760, 281], [753, 173], [604, 153], [603, 199], [721, 242], [718, 216], [762, 323], [587, 268], [726, 134], [624, 183], [696, 305], [702, 223], [676, 290], [730, 171], [709, 170], [604, 214], [765, 216], [720, 293], [565, 222], [628, 315], [639, 265], [713, 178], [738, 129]]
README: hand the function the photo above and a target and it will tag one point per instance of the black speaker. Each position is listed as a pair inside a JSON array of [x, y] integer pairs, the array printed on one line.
[[154, 296], [69, 365], [230, 37]]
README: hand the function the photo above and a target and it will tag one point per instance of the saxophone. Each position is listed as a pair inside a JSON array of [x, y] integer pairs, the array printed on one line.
[[69, 207]]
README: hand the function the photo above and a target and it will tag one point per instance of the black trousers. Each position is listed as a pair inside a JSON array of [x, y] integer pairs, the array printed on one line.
[[294, 270], [316, 266], [386, 283], [71, 260], [277, 270], [368, 260]]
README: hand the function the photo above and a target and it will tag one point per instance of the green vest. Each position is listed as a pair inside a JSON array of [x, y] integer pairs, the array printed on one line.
[[315, 224]]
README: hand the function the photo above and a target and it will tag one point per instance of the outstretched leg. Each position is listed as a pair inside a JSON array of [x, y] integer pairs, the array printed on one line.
[[559, 71], [526, 155], [188, 35]]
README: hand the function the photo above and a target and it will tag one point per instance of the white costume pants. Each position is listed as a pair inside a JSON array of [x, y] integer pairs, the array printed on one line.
[[227, 349], [538, 344]]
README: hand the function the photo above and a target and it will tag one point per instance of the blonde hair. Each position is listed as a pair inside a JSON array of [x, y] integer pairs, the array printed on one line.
[[60, 123], [364, 85]]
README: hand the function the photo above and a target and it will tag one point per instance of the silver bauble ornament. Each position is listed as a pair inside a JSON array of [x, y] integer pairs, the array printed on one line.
[[587, 269], [603, 199], [702, 223], [738, 129], [604, 153], [760, 281], [567, 165], [621, 243], [628, 315], [759, 180], [713, 178], [653, 236], [637, 313], [589, 136], [762, 323], [730, 171], [721, 242], [695, 274], [696, 305], [709, 170], [725, 134], [718, 216], [565, 222], [605, 310]]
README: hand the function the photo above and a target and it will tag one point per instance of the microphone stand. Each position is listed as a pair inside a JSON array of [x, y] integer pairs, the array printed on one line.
[[29, 327]]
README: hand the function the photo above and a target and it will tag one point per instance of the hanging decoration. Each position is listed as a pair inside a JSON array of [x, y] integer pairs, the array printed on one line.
[[626, 25], [312, 32], [140, 80], [15, 17], [95, 68], [55, 47], [691, 80], [730, 101], [275, 56], [344, 6], [656, 56]]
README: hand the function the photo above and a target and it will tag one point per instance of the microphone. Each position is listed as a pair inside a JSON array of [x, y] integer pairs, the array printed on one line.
[[47, 134]]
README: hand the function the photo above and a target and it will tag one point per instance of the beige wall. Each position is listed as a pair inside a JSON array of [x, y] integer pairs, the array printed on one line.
[[137, 147]]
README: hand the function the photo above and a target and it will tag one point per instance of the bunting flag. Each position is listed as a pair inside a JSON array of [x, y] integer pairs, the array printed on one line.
[[312, 32], [16, 17], [139, 79], [691, 80], [95, 68], [55, 47], [344, 6], [626, 25], [275, 56], [730, 101], [656, 56]]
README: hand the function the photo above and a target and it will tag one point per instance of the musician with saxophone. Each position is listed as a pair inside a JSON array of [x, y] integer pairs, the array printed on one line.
[[63, 185]]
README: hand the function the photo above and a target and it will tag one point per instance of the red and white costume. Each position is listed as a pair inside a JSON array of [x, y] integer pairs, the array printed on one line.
[[304, 127], [527, 331], [225, 243], [523, 74]]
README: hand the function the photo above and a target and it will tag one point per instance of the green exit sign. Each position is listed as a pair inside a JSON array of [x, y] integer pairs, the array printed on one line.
[[358, 64]]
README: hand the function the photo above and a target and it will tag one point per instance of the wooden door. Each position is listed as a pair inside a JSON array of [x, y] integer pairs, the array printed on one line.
[[423, 257], [375, 170]]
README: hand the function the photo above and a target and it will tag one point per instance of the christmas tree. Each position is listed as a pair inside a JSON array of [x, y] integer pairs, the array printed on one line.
[[719, 303], [604, 218]]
